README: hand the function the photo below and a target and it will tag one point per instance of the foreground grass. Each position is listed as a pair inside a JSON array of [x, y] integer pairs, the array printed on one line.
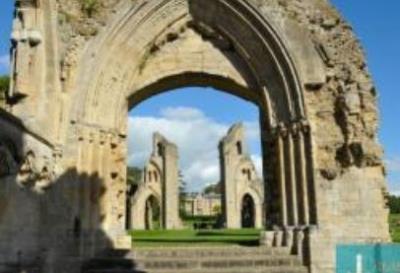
[[395, 227], [187, 237]]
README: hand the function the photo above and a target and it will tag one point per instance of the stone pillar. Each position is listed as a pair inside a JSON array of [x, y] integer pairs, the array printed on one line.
[[171, 185], [302, 176], [292, 180], [281, 173]]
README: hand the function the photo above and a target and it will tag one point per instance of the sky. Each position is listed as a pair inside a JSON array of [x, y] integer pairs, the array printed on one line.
[[376, 24], [195, 119]]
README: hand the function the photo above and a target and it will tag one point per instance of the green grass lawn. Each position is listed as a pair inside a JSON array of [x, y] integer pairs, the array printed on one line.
[[187, 237], [395, 227]]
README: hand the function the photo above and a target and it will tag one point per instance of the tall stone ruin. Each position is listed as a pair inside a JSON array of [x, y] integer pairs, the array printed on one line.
[[160, 180], [239, 179]]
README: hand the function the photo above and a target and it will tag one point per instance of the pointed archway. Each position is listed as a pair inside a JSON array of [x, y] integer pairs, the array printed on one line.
[[248, 212]]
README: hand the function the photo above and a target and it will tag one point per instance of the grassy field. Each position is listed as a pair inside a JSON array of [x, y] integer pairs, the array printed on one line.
[[245, 237], [395, 227], [187, 237]]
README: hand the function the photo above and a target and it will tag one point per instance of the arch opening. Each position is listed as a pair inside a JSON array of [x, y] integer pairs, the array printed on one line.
[[152, 213], [204, 53], [197, 133], [248, 212]]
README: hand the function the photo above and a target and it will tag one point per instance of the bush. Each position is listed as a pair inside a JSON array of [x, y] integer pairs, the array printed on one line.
[[394, 204]]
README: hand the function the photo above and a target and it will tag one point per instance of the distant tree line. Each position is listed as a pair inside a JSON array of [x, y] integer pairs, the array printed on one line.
[[213, 188], [394, 204], [134, 176]]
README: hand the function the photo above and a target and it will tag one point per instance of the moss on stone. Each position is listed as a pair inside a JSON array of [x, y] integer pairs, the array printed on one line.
[[90, 7]]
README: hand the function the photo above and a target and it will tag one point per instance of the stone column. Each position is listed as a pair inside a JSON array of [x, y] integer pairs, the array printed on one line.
[[293, 178], [281, 173], [309, 171], [303, 179]]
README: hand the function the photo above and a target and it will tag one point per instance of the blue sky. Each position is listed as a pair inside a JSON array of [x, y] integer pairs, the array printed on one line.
[[376, 23]]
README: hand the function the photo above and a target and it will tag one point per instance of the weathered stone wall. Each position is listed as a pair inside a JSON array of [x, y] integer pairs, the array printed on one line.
[[350, 184], [239, 178], [78, 68], [160, 180]]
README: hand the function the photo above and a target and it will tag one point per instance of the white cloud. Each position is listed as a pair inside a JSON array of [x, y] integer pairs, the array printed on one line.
[[196, 136], [393, 164], [5, 62]]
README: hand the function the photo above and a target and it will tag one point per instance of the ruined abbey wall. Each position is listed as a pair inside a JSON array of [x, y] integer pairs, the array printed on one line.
[[78, 66], [160, 179], [239, 178]]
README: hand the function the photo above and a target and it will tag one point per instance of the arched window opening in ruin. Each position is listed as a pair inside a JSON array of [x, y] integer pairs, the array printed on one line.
[[155, 176], [152, 214], [239, 147], [193, 144], [159, 149], [248, 211]]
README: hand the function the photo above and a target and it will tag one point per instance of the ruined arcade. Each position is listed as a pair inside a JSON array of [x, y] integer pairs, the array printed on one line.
[[77, 69]]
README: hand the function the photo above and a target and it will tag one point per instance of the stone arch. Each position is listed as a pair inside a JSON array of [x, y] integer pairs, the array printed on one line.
[[152, 212], [247, 212], [139, 207], [257, 208], [298, 60], [273, 75], [142, 56]]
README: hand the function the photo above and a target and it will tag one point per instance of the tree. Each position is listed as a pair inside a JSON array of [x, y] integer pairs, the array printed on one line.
[[217, 209], [134, 176], [394, 204], [213, 189]]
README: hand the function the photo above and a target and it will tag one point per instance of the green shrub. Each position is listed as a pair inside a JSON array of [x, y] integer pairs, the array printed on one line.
[[395, 227], [394, 204]]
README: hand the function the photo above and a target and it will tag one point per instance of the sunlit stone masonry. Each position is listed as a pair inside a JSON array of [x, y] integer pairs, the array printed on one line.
[[242, 188], [78, 67], [159, 188]]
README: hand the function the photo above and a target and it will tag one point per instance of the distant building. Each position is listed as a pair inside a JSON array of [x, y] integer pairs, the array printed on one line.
[[199, 204]]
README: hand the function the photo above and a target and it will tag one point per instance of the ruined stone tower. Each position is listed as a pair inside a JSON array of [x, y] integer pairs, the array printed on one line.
[[160, 179], [239, 179]]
